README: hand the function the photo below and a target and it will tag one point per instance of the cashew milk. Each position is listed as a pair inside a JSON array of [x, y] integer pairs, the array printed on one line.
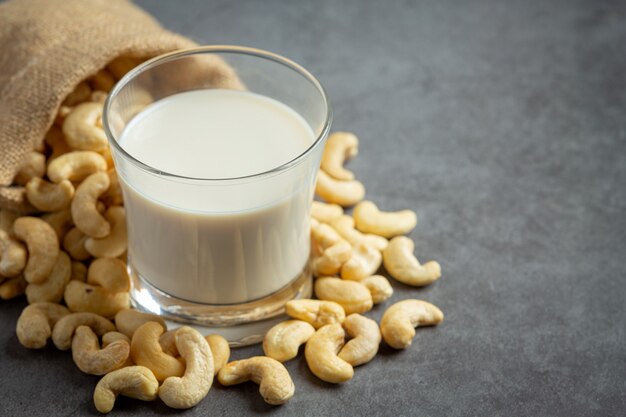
[[199, 240]]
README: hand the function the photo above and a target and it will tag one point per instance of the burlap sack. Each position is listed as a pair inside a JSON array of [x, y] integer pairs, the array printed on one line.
[[46, 48]]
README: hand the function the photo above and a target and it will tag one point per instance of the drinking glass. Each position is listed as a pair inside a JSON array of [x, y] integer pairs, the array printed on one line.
[[270, 208]]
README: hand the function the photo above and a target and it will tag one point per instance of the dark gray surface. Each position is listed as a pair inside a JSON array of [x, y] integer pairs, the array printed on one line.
[[504, 127]]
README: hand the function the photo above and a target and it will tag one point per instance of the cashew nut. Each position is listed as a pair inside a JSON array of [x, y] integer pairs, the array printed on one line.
[[365, 340], [61, 221], [102, 80], [121, 65], [133, 381], [12, 287], [113, 196], [344, 193], [91, 359], [109, 273], [218, 345], [47, 196], [35, 324], [80, 297], [43, 247], [324, 235], [275, 384], [116, 242], [331, 260], [56, 140], [146, 351], [65, 327], [369, 219], [340, 146], [321, 351], [353, 296], [344, 225], [379, 287], [168, 343], [188, 390], [316, 312], [111, 337], [399, 321], [74, 244], [12, 256], [283, 340], [129, 320], [220, 350], [78, 95], [82, 130], [33, 166], [79, 271], [100, 97], [324, 212], [52, 289], [403, 265], [107, 155], [364, 262], [84, 211], [76, 166]]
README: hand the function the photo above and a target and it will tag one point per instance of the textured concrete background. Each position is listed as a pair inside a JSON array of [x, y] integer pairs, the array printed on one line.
[[503, 124]]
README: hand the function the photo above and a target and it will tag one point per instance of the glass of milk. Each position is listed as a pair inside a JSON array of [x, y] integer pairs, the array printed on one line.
[[217, 150]]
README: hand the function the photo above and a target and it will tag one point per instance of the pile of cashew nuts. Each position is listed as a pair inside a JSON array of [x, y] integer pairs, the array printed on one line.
[[346, 254], [68, 256]]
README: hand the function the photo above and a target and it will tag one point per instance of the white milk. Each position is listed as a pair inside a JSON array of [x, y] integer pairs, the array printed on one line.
[[215, 242]]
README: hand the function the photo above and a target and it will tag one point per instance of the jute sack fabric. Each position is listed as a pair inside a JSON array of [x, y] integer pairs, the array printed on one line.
[[46, 48]]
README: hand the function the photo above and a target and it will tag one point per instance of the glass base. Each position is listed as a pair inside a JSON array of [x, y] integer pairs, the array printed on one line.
[[241, 324]]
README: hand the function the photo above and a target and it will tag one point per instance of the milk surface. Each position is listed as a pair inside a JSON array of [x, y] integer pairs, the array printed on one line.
[[214, 244]]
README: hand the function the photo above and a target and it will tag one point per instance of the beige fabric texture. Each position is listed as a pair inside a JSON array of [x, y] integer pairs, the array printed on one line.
[[48, 47]]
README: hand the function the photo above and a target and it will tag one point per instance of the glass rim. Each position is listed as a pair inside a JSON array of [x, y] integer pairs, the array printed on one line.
[[233, 49]]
